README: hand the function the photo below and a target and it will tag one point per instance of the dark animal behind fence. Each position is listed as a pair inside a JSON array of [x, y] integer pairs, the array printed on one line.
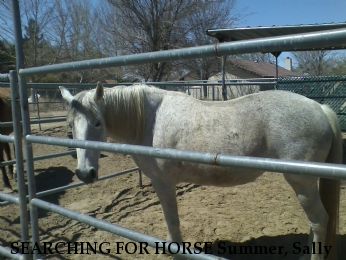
[[5, 116]]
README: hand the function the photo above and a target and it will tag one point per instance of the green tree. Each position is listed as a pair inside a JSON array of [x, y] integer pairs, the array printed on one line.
[[33, 43], [37, 50], [7, 57]]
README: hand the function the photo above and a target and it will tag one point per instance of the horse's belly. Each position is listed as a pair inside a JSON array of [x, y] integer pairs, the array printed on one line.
[[213, 175]]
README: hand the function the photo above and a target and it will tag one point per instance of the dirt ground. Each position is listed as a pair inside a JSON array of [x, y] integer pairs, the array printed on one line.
[[264, 212]]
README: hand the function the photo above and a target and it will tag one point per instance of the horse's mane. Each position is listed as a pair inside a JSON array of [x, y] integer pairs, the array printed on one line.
[[125, 106], [122, 108]]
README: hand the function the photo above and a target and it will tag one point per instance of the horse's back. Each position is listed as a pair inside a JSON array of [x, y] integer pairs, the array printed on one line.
[[273, 124], [266, 124]]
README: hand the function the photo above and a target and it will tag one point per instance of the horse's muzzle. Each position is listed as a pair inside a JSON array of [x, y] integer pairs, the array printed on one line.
[[87, 176]]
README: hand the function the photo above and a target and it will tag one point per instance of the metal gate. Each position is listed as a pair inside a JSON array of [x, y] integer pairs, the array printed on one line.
[[32, 202]]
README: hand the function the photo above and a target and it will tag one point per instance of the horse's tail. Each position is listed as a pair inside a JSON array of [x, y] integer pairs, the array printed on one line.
[[330, 188]]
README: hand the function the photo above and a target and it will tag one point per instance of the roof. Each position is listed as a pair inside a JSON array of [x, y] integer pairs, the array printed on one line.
[[262, 69], [248, 33], [110, 81]]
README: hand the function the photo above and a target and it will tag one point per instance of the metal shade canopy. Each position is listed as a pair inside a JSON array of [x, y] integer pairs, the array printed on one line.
[[248, 33], [251, 33]]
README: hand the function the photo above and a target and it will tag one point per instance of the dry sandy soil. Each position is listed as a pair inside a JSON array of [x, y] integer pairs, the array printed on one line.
[[265, 212]]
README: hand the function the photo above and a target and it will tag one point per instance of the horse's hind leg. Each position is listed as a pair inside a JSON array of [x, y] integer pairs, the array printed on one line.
[[7, 150], [306, 189], [5, 179]]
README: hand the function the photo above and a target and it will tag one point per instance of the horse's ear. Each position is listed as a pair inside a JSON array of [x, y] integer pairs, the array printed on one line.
[[66, 94], [98, 92]]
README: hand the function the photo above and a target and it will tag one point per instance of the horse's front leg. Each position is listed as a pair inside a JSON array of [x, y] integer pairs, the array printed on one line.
[[166, 192]]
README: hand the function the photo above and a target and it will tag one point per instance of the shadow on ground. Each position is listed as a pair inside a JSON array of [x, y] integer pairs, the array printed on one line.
[[51, 178]]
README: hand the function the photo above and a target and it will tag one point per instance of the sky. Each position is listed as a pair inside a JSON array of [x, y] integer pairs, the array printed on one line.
[[289, 12], [286, 12]]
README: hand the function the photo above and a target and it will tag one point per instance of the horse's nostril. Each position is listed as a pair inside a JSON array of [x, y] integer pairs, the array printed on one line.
[[87, 176], [92, 173]]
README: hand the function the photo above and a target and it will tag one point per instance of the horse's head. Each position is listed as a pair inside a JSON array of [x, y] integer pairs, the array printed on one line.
[[86, 121]]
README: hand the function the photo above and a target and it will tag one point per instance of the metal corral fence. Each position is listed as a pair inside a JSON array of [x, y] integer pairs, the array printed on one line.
[[329, 90], [33, 202], [47, 106], [46, 96]]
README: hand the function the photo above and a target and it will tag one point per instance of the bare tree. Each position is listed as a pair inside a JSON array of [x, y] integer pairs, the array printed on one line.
[[6, 27], [77, 35], [314, 63], [64, 30], [60, 31], [208, 15], [153, 25], [149, 25], [258, 57]]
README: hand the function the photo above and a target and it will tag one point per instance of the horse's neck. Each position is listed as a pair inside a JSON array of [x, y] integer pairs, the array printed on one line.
[[128, 115]]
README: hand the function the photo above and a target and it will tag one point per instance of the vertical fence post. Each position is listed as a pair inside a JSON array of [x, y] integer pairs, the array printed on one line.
[[29, 160], [24, 228], [140, 178], [26, 121], [224, 87], [213, 92], [35, 100]]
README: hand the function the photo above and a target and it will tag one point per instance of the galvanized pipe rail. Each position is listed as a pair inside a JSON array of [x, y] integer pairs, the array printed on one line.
[[326, 170], [163, 83], [4, 77], [269, 44], [41, 157], [38, 121], [7, 253], [20, 199], [8, 198], [16, 93], [6, 138], [317, 39], [265, 164], [78, 184], [114, 229]]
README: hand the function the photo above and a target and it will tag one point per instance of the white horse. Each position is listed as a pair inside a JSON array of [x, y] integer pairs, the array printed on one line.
[[273, 124], [34, 98], [233, 91]]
